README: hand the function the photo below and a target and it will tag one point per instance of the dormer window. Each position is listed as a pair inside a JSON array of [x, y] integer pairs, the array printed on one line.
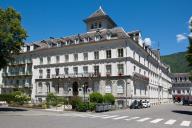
[[108, 36], [86, 39], [97, 37], [66, 43], [59, 44], [76, 41], [49, 44]]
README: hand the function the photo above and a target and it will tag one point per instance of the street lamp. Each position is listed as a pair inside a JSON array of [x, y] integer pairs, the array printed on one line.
[[83, 95]]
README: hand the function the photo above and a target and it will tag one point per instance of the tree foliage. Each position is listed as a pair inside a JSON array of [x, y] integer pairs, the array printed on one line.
[[189, 51], [96, 97], [109, 98], [177, 62], [12, 35]]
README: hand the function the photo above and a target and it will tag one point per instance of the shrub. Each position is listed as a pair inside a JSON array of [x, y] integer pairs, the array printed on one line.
[[96, 97], [61, 100], [92, 106], [20, 98], [7, 97], [55, 100], [109, 98], [75, 101], [81, 107], [51, 99], [15, 98]]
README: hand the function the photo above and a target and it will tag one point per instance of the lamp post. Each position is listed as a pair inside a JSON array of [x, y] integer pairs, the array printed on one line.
[[84, 95]]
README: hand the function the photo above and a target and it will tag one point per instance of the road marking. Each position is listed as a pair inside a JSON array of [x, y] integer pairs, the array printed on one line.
[[121, 117], [170, 122], [143, 119], [106, 117], [99, 116], [156, 121], [185, 123], [132, 118]]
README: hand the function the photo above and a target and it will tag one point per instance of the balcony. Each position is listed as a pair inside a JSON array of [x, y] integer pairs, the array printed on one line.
[[76, 75]]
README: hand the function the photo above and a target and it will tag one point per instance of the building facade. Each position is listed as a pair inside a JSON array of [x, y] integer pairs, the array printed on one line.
[[105, 59], [182, 86]]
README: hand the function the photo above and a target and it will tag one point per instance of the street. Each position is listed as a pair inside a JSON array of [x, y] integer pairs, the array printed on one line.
[[166, 115]]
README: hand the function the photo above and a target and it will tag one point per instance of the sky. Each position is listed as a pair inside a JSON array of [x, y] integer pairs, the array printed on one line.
[[164, 22]]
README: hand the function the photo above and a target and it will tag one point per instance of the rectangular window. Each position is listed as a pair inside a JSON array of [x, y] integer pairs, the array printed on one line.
[[48, 60], [75, 70], [66, 70], [108, 54], [57, 71], [133, 55], [40, 87], [41, 60], [96, 55], [85, 69], [120, 69], [48, 73], [120, 52], [96, 70], [75, 57], [85, 55], [66, 58], [40, 74], [108, 69], [57, 59]]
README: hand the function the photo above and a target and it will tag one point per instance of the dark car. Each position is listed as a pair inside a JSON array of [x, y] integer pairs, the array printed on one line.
[[136, 105]]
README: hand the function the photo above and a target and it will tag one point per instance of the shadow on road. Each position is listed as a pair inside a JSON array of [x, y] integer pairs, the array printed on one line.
[[183, 112], [8, 109]]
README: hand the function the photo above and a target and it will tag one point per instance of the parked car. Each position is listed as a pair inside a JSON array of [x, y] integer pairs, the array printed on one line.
[[148, 104], [136, 105], [144, 104], [3, 104]]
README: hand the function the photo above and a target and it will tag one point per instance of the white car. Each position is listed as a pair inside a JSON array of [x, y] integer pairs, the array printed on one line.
[[3, 104], [144, 104], [148, 104]]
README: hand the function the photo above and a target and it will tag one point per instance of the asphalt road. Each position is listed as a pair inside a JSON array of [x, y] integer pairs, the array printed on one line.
[[161, 116]]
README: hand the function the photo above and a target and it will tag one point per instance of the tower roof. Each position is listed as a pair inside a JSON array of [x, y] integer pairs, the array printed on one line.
[[98, 14]]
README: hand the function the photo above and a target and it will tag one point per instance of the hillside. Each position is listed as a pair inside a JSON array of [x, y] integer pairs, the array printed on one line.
[[177, 62]]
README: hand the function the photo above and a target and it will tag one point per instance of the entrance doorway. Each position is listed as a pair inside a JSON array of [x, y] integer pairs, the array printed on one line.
[[75, 89]]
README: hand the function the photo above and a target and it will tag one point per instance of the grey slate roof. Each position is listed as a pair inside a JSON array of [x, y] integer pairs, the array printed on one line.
[[97, 13]]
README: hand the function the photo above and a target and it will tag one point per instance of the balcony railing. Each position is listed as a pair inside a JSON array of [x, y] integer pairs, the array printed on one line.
[[75, 75], [9, 74]]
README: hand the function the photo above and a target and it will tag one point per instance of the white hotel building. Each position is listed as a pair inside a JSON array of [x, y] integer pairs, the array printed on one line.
[[105, 59]]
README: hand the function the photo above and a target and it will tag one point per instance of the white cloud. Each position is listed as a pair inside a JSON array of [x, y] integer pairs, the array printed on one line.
[[148, 41], [190, 23], [190, 35], [181, 37]]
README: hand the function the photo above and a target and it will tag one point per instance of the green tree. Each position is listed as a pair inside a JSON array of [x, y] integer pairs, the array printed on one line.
[[189, 51], [96, 97], [12, 35], [109, 98]]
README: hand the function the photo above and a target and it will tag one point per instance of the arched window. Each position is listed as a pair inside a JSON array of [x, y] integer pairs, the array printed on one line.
[[120, 86], [108, 87]]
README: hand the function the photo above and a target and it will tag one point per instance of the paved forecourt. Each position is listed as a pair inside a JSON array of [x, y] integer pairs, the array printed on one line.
[[175, 116]]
